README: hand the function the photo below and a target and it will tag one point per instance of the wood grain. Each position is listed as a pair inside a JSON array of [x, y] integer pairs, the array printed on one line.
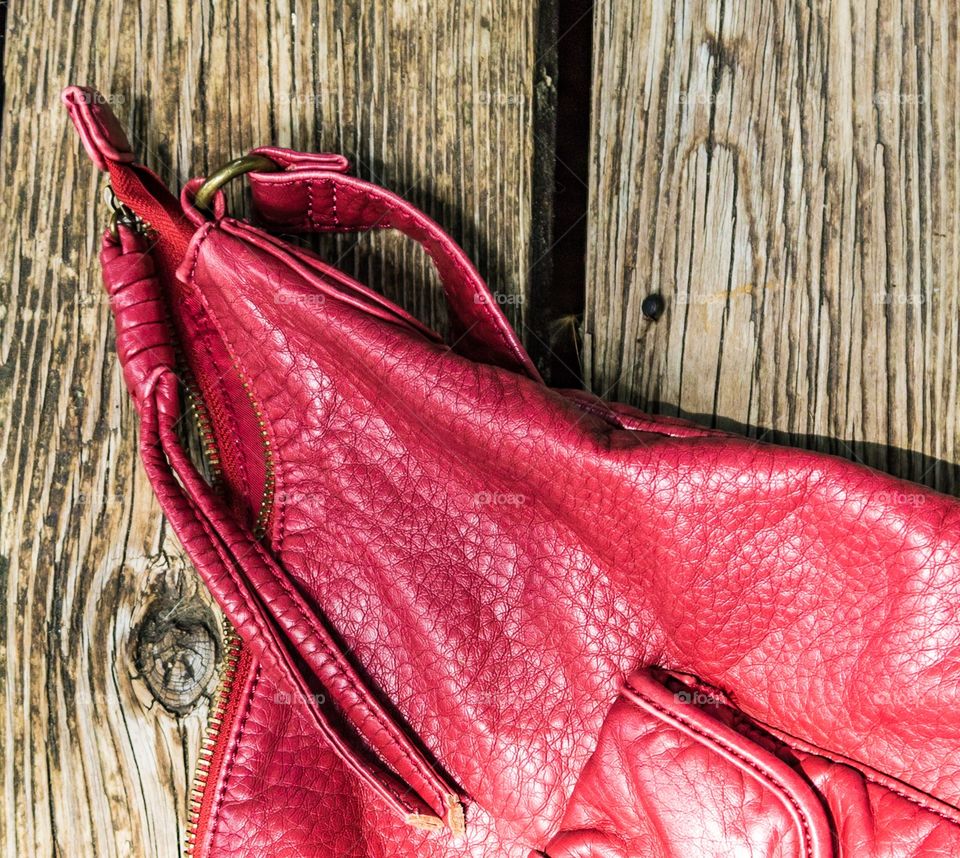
[[106, 636], [787, 176]]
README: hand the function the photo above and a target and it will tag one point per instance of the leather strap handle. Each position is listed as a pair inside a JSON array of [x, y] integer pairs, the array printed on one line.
[[134, 185], [313, 193]]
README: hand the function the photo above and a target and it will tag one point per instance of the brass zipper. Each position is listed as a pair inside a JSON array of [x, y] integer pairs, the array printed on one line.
[[265, 512], [233, 645], [233, 648], [231, 640], [201, 416]]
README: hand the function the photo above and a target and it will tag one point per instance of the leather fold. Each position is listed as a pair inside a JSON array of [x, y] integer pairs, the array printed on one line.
[[100, 131]]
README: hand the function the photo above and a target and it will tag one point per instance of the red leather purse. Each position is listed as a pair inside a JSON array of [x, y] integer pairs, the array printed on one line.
[[480, 617]]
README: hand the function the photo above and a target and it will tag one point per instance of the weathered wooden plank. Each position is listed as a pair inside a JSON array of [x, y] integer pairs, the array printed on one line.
[[106, 637], [786, 176]]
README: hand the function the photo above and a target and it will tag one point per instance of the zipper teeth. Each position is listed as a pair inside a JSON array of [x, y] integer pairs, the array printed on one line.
[[232, 647], [265, 512], [233, 644], [201, 416]]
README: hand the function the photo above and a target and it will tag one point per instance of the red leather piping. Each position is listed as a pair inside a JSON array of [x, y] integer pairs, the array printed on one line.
[[230, 558], [797, 798], [922, 800], [254, 591]]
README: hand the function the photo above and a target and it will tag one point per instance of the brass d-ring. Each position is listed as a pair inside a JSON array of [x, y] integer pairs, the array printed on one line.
[[237, 167]]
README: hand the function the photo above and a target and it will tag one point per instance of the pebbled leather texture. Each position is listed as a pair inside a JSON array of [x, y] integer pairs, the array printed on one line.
[[604, 633]]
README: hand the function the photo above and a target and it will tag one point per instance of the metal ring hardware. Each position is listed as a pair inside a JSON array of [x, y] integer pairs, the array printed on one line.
[[237, 167]]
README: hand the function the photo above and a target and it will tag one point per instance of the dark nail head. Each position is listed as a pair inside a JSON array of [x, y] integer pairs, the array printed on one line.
[[652, 307]]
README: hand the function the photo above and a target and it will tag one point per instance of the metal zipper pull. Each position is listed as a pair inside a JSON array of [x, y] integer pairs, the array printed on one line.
[[121, 213]]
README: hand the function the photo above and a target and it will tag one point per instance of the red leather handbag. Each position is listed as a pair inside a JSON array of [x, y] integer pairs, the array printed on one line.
[[480, 617]]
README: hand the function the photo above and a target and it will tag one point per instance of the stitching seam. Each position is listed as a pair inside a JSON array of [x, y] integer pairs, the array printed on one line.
[[204, 342], [229, 413], [813, 750], [336, 214], [209, 529], [156, 459], [310, 191], [345, 674]]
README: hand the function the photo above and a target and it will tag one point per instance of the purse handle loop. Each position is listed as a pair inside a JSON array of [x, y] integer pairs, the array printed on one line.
[[314, 193]]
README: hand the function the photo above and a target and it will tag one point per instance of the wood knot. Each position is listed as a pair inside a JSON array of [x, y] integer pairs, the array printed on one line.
[[177, 650]]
